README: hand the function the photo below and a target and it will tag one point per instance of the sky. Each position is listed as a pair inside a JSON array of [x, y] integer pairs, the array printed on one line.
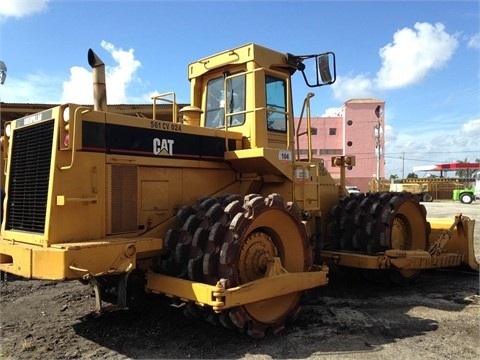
[[421, 57]]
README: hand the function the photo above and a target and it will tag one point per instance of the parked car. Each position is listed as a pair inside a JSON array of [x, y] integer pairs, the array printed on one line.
[[353, 189]]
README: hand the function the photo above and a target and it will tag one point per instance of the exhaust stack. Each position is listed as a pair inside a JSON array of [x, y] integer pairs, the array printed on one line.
[[99, 86]]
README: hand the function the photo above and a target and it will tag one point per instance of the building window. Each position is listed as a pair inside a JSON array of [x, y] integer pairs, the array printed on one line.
[[330, 151], [314, 131], [332, 131], [349, 122], [305, 152], [349, 143]]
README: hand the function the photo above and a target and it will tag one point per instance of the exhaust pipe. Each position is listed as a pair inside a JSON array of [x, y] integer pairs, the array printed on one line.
[[99, 86]]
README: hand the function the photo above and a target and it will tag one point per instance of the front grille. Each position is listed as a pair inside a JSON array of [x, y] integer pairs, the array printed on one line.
[[29, 176]]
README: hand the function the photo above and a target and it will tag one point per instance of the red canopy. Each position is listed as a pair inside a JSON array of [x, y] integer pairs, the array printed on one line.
[[446, 167], [459, 166]]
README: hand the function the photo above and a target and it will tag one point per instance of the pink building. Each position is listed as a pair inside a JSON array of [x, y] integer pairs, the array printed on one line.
[[355, 131]]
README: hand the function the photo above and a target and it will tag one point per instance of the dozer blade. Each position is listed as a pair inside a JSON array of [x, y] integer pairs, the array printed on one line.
[[457, 239]]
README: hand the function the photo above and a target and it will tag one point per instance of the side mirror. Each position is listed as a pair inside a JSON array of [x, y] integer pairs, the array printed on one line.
[[322, 72], [323, 64]]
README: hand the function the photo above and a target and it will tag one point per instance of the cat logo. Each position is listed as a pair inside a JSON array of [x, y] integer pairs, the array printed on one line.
[[163, 146]]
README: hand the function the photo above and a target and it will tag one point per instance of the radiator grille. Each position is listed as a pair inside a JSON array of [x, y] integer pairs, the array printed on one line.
[[29, 177]]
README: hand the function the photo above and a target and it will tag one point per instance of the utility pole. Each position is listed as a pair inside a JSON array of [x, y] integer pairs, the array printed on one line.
[[403, 164], [378, 143]]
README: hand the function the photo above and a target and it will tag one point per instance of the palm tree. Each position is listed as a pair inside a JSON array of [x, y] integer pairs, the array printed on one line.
[[460, 173], [477, 160], [465, 173]]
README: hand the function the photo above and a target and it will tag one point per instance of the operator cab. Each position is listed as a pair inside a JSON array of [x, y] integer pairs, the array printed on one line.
[[248, 90]]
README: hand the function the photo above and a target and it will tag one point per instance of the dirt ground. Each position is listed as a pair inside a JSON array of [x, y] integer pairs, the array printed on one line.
[[437, 317]]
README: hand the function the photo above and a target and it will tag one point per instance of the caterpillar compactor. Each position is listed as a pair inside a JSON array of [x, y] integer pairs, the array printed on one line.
[[214, 206]]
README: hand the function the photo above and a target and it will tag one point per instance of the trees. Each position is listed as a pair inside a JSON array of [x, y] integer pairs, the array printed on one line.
[[465, 173]]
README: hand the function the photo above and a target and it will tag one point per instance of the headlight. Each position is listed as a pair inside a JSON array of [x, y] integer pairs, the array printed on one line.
[[66, 114], [8, 130]]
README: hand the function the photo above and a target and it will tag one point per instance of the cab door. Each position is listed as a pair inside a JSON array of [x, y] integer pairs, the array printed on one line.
[[278, 118]]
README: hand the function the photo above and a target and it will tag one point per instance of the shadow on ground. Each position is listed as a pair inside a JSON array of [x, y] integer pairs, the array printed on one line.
[[350, 315]]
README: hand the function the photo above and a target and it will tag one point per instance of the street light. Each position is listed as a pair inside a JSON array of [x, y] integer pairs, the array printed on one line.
[[3, 72]]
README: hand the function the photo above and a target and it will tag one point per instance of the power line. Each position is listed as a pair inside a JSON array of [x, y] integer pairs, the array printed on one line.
[[439, 152]]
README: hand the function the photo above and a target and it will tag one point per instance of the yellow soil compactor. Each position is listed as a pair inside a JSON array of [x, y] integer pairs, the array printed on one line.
[[213, 206]]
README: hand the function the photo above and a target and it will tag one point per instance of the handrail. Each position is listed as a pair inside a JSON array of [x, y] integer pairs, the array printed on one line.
[[72, 134], [6, 145], [163, 97], [206, 62], [262, 108], [306, 105], [237, 113]]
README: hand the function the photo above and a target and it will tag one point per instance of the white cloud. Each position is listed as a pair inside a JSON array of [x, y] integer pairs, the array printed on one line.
[[413, 54], [474, 41], [390, 135], [21, 8], [42, 88], [120, 76], [27, 89], [408, 59], [471, 126], [78, 88], [346, 88], [332, 112], [436, 145]]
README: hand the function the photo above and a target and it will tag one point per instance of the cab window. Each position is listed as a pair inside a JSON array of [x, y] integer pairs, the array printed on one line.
[[221, 105], [215, 113], [276, 95]]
